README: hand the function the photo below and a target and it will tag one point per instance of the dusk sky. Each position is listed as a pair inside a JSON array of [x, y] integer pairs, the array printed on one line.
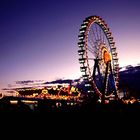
[[38, 38]]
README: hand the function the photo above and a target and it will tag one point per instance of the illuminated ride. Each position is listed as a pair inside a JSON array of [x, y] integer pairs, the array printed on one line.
[[98, 58], [55, 93]]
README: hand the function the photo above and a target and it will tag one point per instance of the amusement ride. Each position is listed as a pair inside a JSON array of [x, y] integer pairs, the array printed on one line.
[[98, 58]]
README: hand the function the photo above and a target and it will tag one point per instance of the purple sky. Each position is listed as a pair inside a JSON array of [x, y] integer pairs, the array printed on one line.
[[38, 38]]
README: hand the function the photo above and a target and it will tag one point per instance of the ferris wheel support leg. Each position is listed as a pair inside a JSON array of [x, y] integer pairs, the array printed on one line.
[[96, 66], [105, 82], [115, 89]]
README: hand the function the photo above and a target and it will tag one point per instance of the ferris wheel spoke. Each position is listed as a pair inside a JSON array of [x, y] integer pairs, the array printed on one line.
[[91, 44], [95, 52], [103, 38], [90, 49], [93, 35], [97, 32], [100, 34]]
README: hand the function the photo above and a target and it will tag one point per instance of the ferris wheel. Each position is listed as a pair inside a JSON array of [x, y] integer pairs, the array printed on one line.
[[98, 57]]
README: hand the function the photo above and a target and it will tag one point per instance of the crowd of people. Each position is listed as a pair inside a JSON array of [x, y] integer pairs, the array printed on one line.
[[122, 105]]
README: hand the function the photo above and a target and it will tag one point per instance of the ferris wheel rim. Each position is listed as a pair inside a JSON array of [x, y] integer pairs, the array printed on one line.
[[83, 39]]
